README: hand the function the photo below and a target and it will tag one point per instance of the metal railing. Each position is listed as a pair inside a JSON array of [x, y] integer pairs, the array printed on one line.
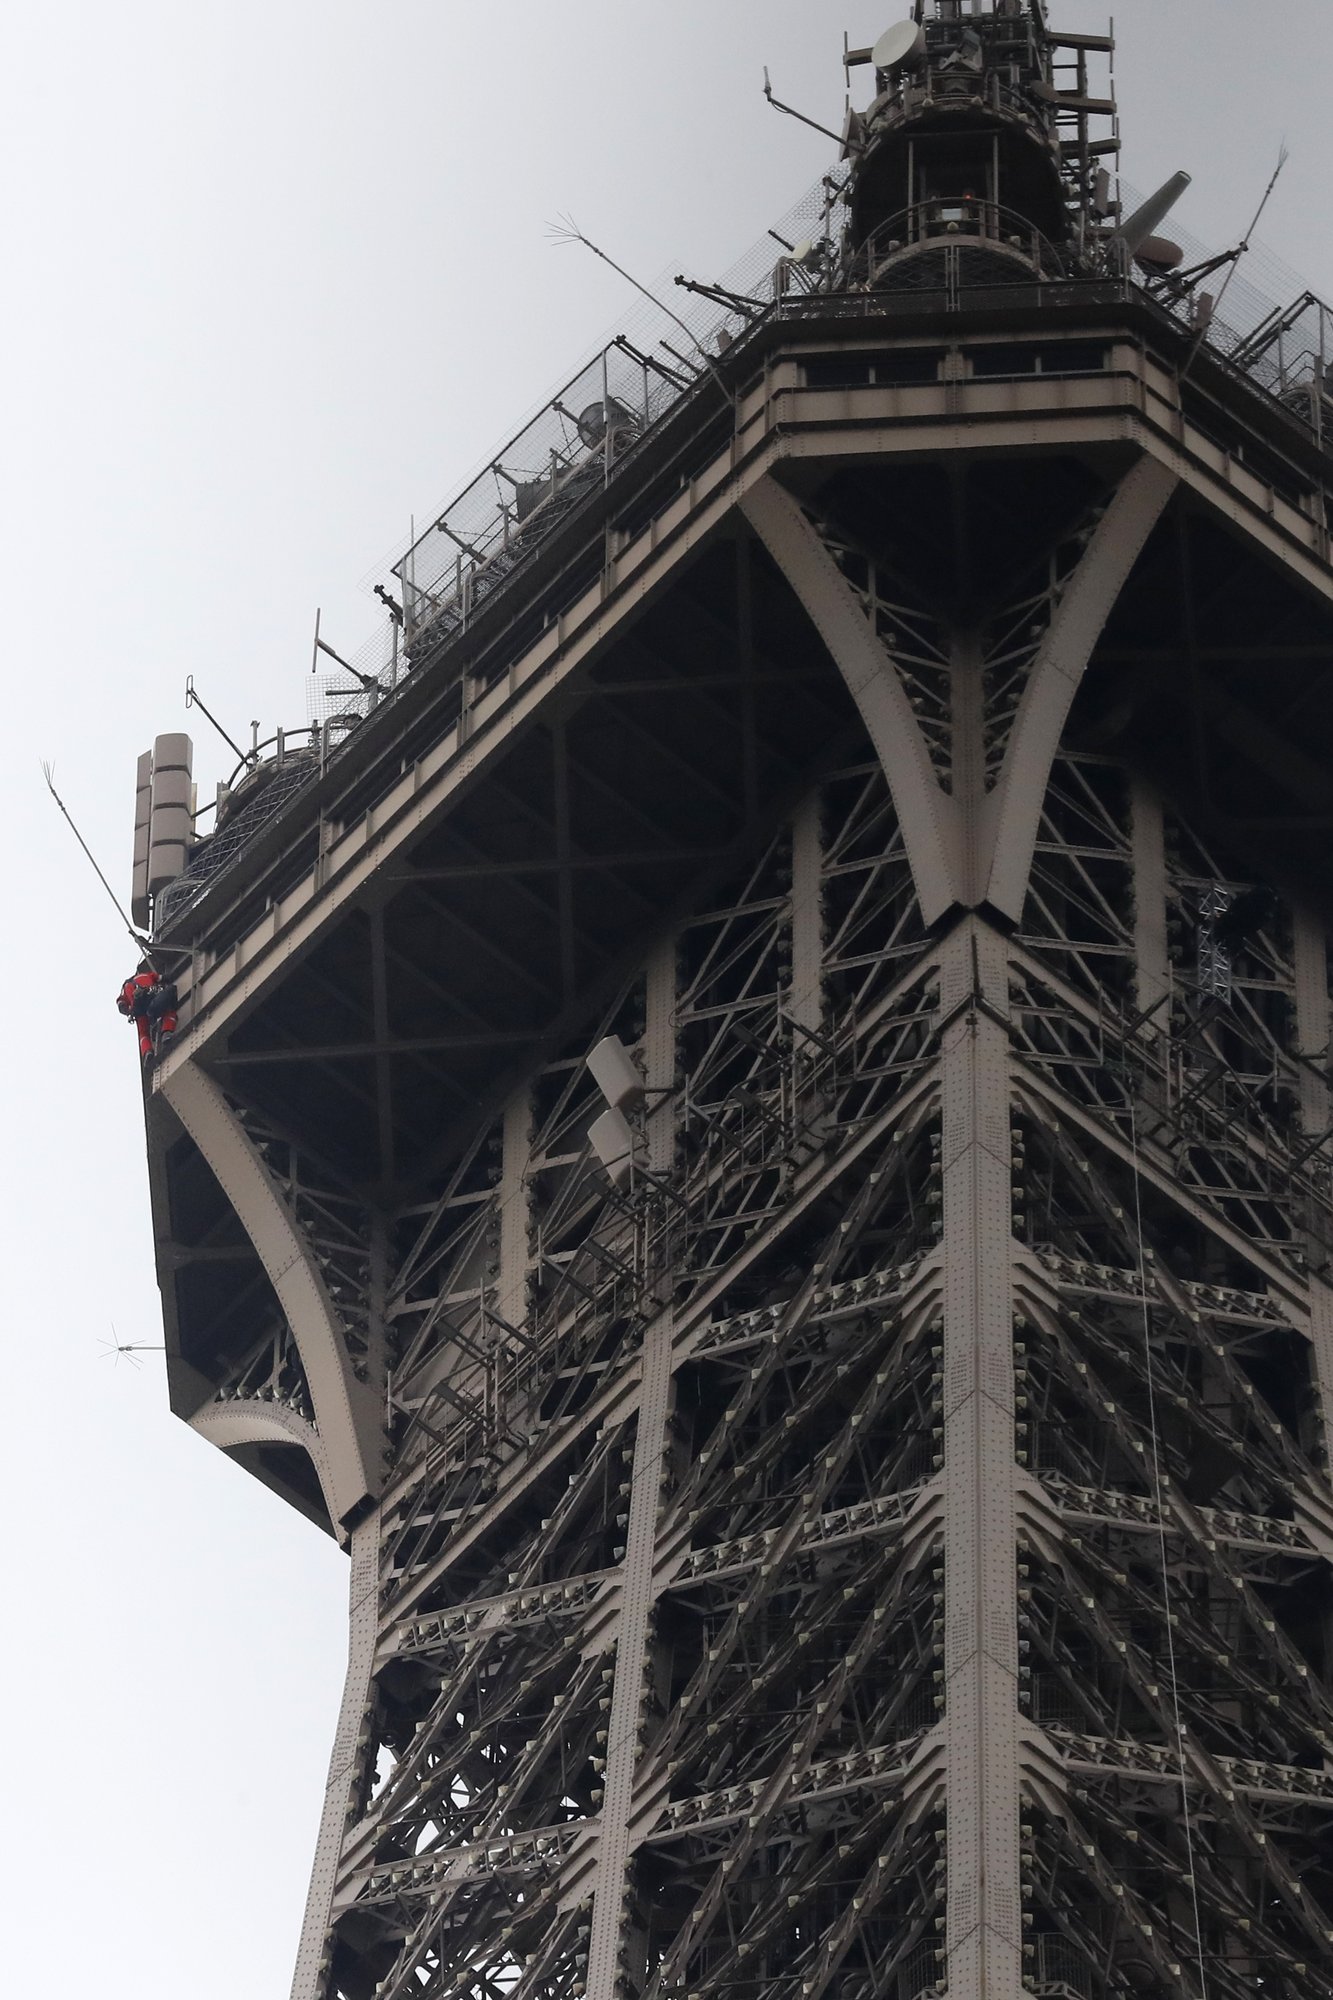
[[563, 455], [888, 254], [603, 415]]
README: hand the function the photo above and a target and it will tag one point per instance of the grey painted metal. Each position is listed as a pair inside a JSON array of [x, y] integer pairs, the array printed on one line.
[[249, 1421], [988, 1764], [830, 1556], [984, 1937], [515, 1207], [1152, 965], [806, 1005], [309, 1980], [612, 1942], [222, 990], [348, 1414], [1311, 968], [926, 815], [1059, 667]]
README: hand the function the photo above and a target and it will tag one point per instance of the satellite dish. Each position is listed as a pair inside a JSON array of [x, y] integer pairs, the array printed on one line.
[[903, 43], [593, 423], [1158, 253]]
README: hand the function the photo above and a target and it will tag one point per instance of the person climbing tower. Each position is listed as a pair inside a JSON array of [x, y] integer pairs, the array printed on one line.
[[150, 1002]]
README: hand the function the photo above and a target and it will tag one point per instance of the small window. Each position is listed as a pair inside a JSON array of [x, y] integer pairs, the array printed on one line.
[[909, 364], [1066, 357], [1072, 357], [1003, 360], [839, 371], [899, 368]]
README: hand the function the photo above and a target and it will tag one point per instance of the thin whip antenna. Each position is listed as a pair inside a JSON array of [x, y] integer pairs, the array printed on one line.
[[140, 941], [113, 1349], [1244, 244], [838, 138], [565, 230], [193, 699]]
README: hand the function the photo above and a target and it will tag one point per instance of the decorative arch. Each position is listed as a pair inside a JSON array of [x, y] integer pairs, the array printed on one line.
[[1015, 806], [249, 1421], [927, 815], [938, 830], [347, 1412]]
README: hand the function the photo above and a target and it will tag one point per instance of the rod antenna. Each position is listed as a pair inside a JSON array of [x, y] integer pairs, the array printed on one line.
[[141, 943], [839, 138], [565, 230], [1236, 255], [193, 699]]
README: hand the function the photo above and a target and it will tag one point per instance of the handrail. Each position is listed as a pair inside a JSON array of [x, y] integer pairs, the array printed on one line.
[[604, 415]]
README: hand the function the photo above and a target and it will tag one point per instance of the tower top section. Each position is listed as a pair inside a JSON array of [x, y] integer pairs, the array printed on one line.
[[984, 123], [974, 190]]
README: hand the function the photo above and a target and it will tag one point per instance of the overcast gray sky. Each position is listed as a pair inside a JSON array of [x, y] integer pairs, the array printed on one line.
[[279, 278]]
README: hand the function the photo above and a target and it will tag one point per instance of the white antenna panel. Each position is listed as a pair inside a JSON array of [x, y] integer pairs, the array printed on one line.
[[898, 45]]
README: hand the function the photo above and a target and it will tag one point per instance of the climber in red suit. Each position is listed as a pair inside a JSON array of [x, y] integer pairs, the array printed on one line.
[[150, 1002]]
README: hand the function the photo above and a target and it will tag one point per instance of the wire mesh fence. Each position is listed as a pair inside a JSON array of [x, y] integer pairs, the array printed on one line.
[[602, 415], [569, 448], [256, 802]]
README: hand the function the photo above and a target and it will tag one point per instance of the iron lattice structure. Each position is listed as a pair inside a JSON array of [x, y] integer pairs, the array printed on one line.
[[877, 1539]]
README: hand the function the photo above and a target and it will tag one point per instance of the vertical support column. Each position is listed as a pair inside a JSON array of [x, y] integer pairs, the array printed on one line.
[[1152, 964], [805, 1000], [339, 1791], [968, 763], [1310, 947], [983, 1939], [377, 1356], [611, 1928], [515, 1207], [1310, 951]]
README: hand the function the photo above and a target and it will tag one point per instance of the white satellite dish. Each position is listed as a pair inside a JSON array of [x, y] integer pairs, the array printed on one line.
[[1159, 253], [898, 45]]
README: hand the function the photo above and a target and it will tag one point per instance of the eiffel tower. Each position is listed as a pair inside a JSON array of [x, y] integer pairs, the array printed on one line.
[[750, 1128]]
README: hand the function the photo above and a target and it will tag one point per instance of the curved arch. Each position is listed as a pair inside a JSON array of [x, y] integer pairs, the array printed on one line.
[[926, 813], [347, 1412], [249, 1421], [1058, 669]]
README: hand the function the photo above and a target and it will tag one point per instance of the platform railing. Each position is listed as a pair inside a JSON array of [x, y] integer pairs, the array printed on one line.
[[969, 221], [603, 416]]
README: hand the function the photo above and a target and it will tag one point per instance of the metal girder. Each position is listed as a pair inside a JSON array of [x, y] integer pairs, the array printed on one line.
[[873, 1537], [907, 1315], [348, 1417], [1059, 667], [568, 1892], [641, 569], [345, 1762], [924, 813], [984, 1936]]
